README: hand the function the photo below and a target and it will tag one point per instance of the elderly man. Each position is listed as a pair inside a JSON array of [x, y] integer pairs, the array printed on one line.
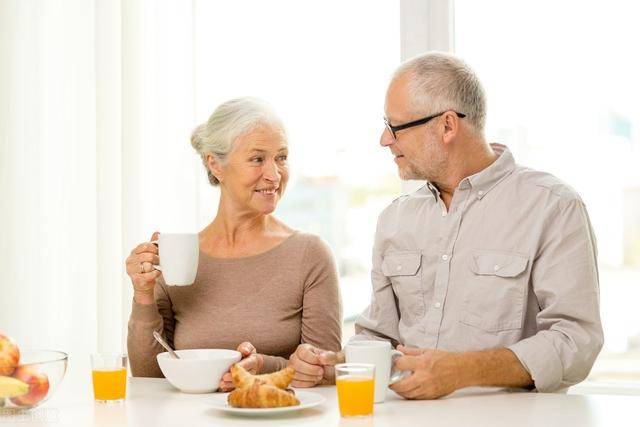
[[487, 275]]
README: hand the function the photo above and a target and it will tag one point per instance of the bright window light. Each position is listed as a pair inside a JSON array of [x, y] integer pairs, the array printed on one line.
[[325, 69], [563, 89]]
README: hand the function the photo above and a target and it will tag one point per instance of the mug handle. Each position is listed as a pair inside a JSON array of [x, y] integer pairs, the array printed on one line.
[[157, 267], [396, 375]]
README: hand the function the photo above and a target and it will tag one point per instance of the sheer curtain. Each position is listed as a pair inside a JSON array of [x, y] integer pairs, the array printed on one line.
[[92, 159], [97, 102], [48, 180]]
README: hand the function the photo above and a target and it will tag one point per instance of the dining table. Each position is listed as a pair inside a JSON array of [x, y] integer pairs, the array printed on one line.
[[154, 402]]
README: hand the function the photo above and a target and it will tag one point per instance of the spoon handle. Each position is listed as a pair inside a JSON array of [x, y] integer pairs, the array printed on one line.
[[163, 343]]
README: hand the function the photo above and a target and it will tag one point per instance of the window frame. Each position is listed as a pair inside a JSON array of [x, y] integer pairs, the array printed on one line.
[[425, 25]]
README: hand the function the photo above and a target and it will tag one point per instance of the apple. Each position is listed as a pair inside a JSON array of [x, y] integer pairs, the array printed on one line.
[[38, 385], [9, 355]]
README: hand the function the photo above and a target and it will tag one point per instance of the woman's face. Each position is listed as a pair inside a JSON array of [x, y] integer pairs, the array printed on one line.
[[256, 172]]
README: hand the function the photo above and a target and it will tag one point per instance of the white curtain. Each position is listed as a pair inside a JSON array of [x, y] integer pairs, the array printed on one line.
[[96, 108], [97, 102]]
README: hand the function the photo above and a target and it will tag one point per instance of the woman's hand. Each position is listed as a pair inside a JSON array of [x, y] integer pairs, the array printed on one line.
[[251, 361], [141, 271], [314, 366]]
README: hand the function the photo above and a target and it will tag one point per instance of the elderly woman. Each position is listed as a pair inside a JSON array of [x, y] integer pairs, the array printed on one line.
[[260, 284]]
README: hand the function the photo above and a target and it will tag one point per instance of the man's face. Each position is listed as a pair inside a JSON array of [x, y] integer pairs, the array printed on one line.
[[418, 151]]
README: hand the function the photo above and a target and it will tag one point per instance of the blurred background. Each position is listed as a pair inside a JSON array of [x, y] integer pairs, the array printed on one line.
[[98, 99]]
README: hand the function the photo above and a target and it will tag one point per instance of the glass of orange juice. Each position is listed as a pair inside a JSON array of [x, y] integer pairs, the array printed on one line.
[[355, 383], [109, 373]]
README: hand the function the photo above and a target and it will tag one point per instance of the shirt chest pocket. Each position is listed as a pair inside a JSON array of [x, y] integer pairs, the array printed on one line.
[[403, 270], [495, 290]]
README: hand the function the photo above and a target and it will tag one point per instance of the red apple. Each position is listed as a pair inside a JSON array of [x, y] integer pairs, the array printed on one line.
[[9, 355], [38, 385]]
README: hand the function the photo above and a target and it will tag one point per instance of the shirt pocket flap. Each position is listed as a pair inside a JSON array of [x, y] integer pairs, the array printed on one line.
[[404, 263], [502, 264]]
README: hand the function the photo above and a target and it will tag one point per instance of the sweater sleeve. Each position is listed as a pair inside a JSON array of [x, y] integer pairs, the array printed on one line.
[[141, 346], [321, 308], [273, 363]]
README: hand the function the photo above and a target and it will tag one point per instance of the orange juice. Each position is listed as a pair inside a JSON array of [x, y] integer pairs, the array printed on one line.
[[109, 384], [355, 395]]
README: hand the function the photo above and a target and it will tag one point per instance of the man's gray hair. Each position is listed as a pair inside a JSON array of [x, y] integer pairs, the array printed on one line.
[[440, 82], [231, 120]]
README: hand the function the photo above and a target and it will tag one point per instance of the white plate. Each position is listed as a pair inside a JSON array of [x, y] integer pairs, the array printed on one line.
[[307, 400]]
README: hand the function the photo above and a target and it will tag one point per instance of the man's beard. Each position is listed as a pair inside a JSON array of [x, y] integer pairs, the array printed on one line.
[[410, 171], [428, 167]]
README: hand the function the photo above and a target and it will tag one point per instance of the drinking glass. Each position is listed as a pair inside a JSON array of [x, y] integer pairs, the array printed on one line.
[[109, 373], [355, 383]]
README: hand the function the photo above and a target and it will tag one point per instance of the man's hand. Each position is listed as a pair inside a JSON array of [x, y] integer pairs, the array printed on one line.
[[314, 366], [436, 373]]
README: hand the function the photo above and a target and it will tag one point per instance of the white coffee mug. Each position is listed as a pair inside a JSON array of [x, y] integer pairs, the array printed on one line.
[[383, 356], [178, 258]]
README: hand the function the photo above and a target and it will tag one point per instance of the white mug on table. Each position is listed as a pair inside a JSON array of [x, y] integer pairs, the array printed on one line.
[[178, 254], [383, 356]]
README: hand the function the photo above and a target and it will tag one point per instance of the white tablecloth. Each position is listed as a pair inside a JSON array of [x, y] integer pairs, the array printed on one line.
[[153, 402]]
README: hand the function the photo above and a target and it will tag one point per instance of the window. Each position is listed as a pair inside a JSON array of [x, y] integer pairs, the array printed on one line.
[[562, 86], [100, 101], [325, 68]]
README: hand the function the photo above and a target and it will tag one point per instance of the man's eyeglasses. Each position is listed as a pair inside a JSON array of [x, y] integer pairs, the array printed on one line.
[[393, 129]]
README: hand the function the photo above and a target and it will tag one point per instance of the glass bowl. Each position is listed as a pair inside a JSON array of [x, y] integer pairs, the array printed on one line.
[[33, 381]]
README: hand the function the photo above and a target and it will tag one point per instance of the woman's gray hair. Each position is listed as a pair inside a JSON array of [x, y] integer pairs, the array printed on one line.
[[231, 120], [440, 82]]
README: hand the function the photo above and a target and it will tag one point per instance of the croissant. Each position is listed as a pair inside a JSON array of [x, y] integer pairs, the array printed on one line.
[[261, 391], [281, 379], [261, 396]]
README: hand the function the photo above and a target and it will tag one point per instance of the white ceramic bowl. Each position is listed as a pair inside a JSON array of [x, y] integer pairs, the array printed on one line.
[[197, 370]]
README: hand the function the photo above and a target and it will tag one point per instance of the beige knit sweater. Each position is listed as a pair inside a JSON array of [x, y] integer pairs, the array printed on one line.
[[276, 300]]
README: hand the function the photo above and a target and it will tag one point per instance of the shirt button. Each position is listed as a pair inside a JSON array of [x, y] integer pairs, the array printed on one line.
[[437, 305], [496, 267], [445, 257], [480, 193], [444, 213], [399, 268]]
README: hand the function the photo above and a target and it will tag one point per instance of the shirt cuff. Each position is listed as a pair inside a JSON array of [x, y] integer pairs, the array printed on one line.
[[539, 358], [144, 312]]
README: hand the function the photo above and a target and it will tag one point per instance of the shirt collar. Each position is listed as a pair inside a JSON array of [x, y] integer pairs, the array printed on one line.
[[433, 189], [484, 181]]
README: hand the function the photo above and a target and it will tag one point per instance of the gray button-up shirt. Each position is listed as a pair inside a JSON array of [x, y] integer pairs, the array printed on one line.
[[511, 264]]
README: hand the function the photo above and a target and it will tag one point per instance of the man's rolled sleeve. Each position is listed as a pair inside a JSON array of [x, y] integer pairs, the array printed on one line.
[[539, 358], [564, 280]]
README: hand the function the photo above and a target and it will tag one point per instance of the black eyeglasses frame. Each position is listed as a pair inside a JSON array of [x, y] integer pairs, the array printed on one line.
[[393, 129]]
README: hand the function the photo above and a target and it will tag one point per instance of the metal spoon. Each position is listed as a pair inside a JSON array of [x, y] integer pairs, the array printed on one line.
[[163, 343]]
